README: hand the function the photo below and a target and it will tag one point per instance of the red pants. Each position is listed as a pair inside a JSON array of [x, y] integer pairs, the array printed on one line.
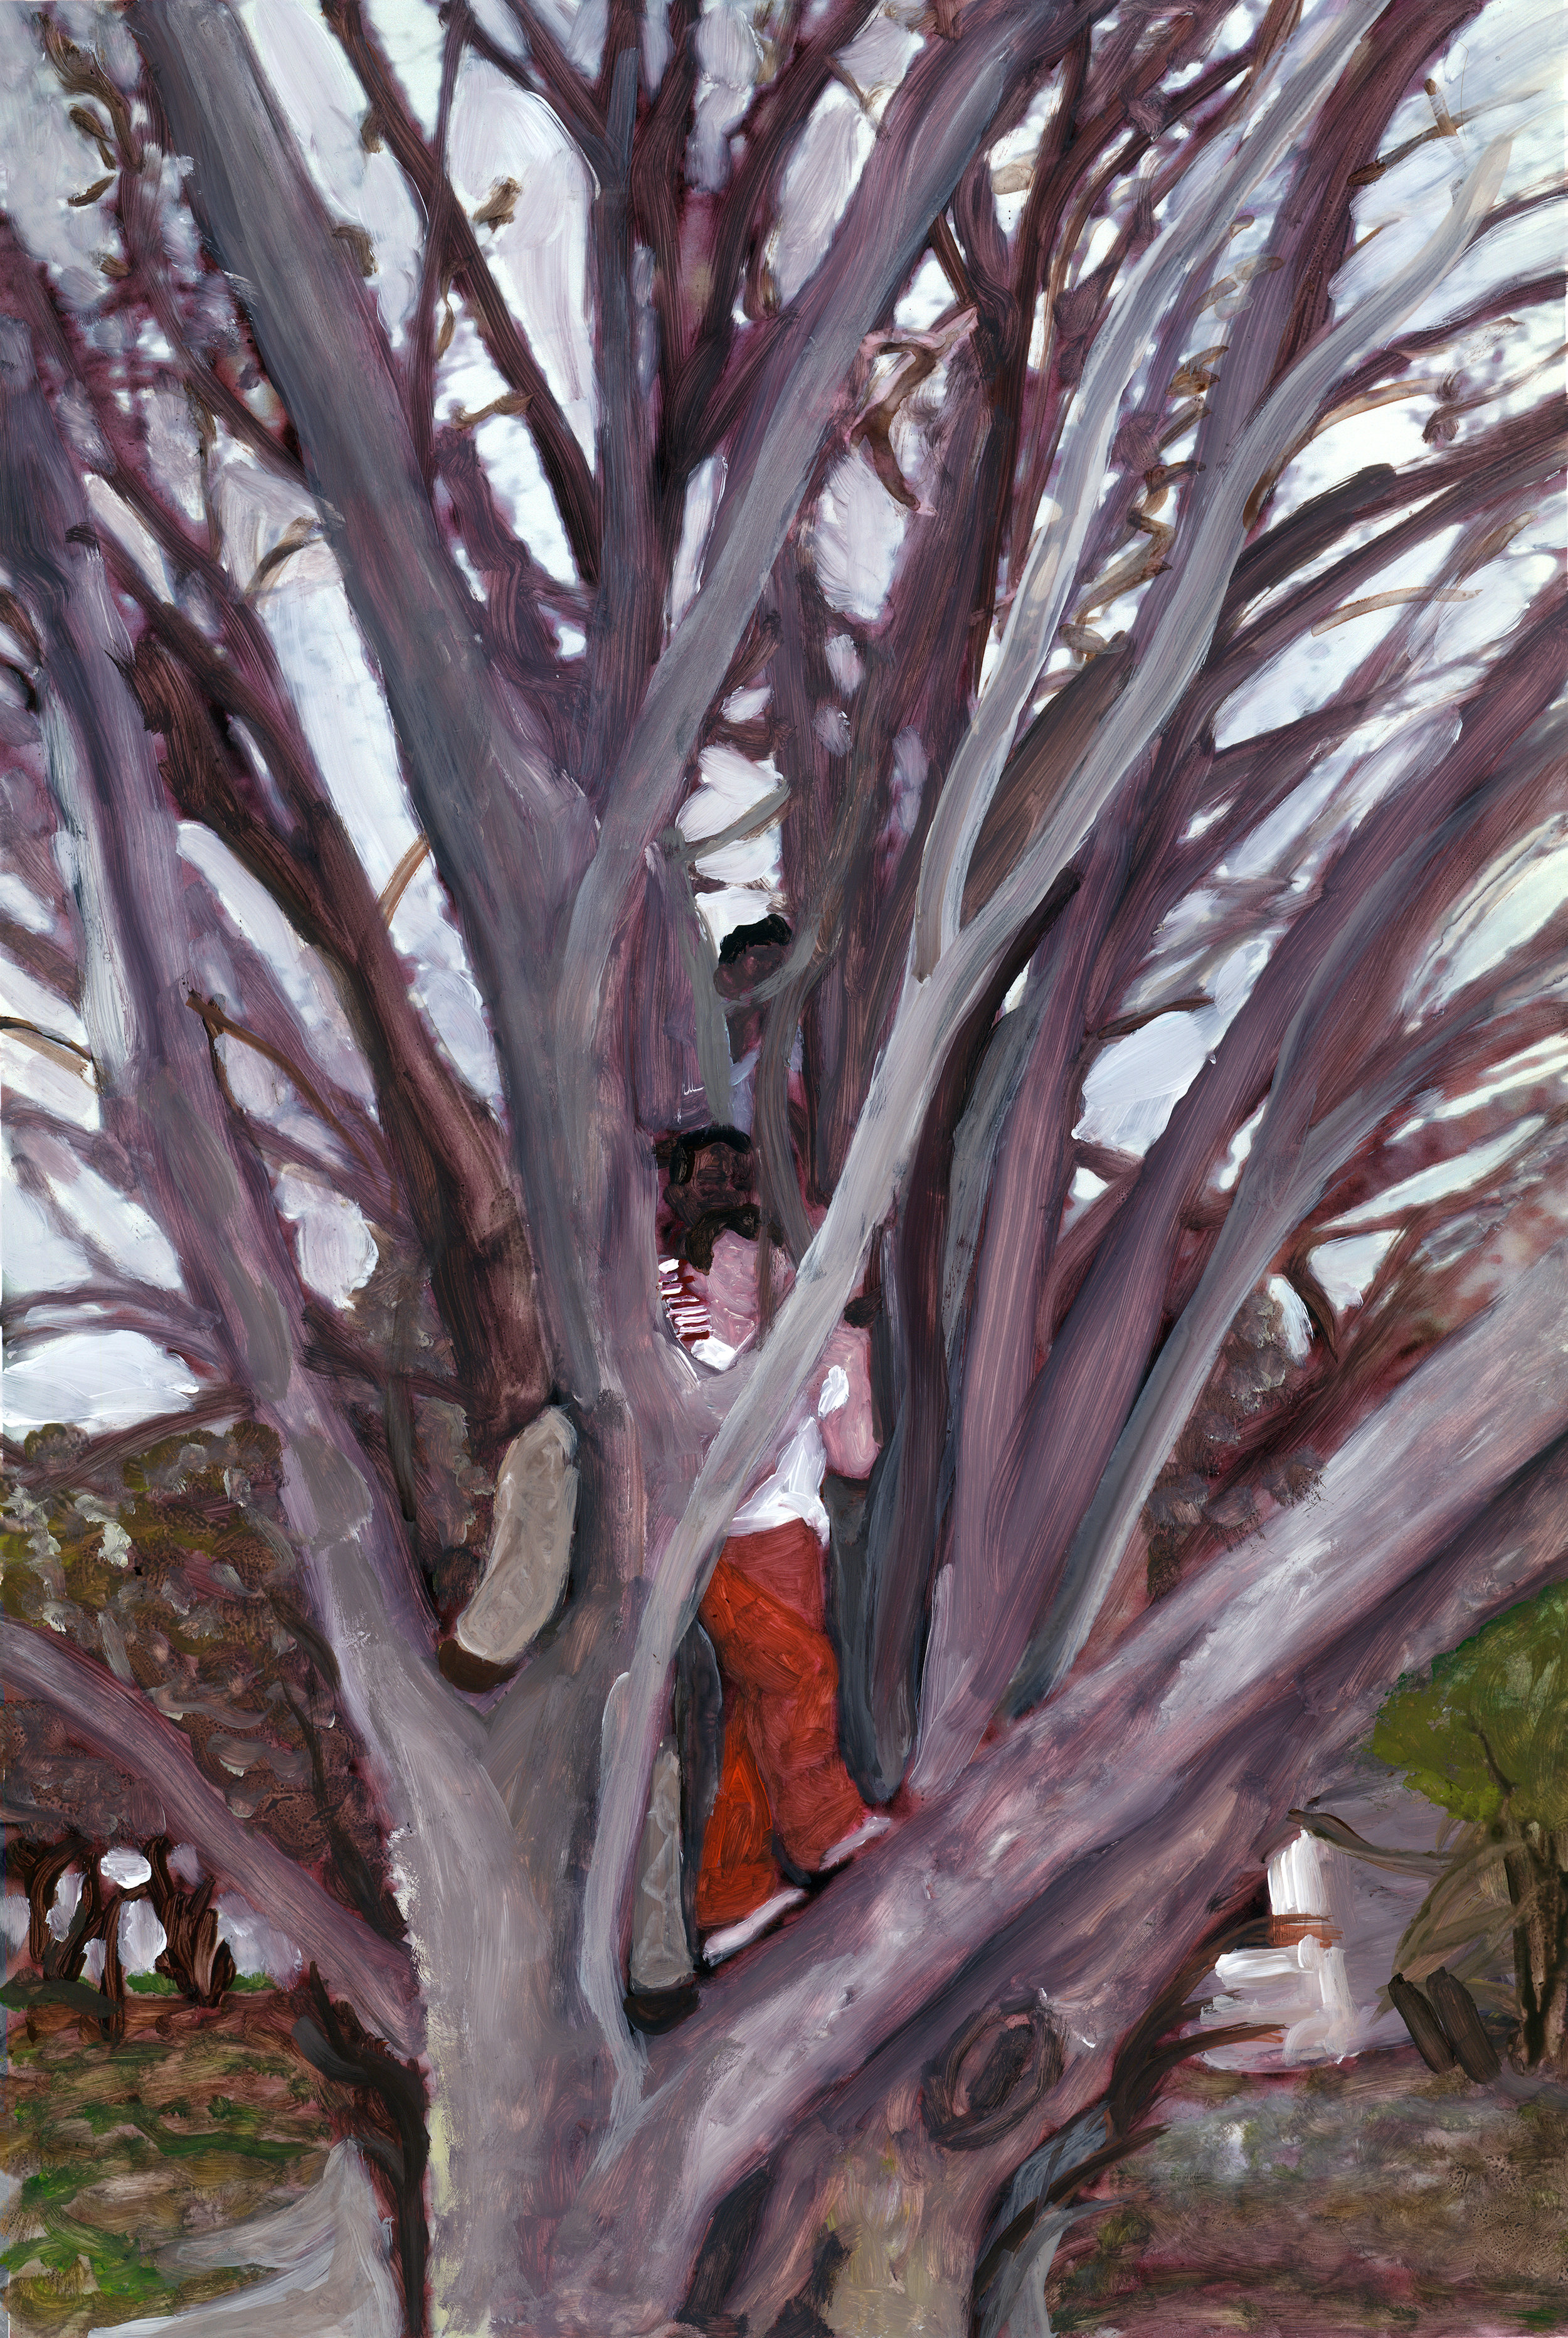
[[781, 1772]]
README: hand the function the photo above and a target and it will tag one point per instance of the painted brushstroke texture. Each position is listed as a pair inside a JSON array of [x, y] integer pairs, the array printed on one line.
[[327, 2256], [782, 955], [117, 1721]]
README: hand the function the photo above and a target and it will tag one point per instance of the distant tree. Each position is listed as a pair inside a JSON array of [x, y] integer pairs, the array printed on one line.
[[840, 515], [1487, 1739]]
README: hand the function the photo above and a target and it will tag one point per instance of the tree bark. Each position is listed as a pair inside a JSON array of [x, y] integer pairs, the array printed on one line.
[[1538, 1887], [1194, 1674], [119, 1723]]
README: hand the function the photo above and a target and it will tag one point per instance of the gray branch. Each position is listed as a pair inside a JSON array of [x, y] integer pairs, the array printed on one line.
[[509, 835], [931, 130], [119, 1725]]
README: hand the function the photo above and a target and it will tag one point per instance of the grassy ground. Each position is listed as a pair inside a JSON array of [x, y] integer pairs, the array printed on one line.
[[1367, 2197], [195, 2121]]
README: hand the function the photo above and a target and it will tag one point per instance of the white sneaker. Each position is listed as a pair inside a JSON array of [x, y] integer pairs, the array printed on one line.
[[874, 1823], [721, 1944]]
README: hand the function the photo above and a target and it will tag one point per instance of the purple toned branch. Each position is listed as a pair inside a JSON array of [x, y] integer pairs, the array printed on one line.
[[1065, 1434], [1288, 306], [1254, 778], [921, 150], [440, 206], [1511, 459], [628, 616], [421, 1743], [1046, 578], [1287, 1174], [688, 430], [561, 457], [1025, 1197], [518, 638], [931, 644], [449, 1158], [1496, 307], [82, 1462], [509, 835], [118, 1304], [140, 228], [558, 79], [496, 818], [118, 1723], [927, 1018], [54, 966]]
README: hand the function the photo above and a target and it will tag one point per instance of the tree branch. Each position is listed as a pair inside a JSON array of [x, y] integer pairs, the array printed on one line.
[[450, 1162], [1288, 308], [325, 349], [559, 82], [1024, 1198], [83, 1461], [1062, 1438], [1516, 454], [214, 1202], [688, 429], [658, 188], [509, 836], [1286, 1175], [54, 966], [117, 1721], [930, 1013], [624, 634], [519, 640], [122, 1304], [1046, 578], [140, 228], [562, 460], [440, 209], [920, 152]]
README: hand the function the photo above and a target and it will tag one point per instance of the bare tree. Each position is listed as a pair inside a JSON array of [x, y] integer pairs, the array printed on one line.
[[961, 467]]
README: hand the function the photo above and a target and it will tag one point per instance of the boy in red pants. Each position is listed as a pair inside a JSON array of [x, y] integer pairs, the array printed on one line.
[[784, 1793], [782, 1775]]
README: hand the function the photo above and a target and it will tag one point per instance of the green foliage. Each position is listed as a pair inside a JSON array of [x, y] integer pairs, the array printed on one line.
[[1487, 1734]]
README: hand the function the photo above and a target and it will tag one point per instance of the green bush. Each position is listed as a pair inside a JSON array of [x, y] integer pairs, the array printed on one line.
[[1487, 1736]]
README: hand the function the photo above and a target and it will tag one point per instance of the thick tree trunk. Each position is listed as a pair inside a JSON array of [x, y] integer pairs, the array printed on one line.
[[480, 1941], [1538, 1887], [506, 2052]]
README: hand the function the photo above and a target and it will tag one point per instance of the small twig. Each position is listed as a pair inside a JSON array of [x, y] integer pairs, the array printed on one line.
[[218, 1024], [679, 846], [402, 877], [420, 376], [49, 1043], [562, 460], [1331, 1829]]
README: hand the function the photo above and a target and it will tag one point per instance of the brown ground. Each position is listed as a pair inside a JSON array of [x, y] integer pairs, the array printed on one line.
[[1367, 2197], [196, 2119]]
